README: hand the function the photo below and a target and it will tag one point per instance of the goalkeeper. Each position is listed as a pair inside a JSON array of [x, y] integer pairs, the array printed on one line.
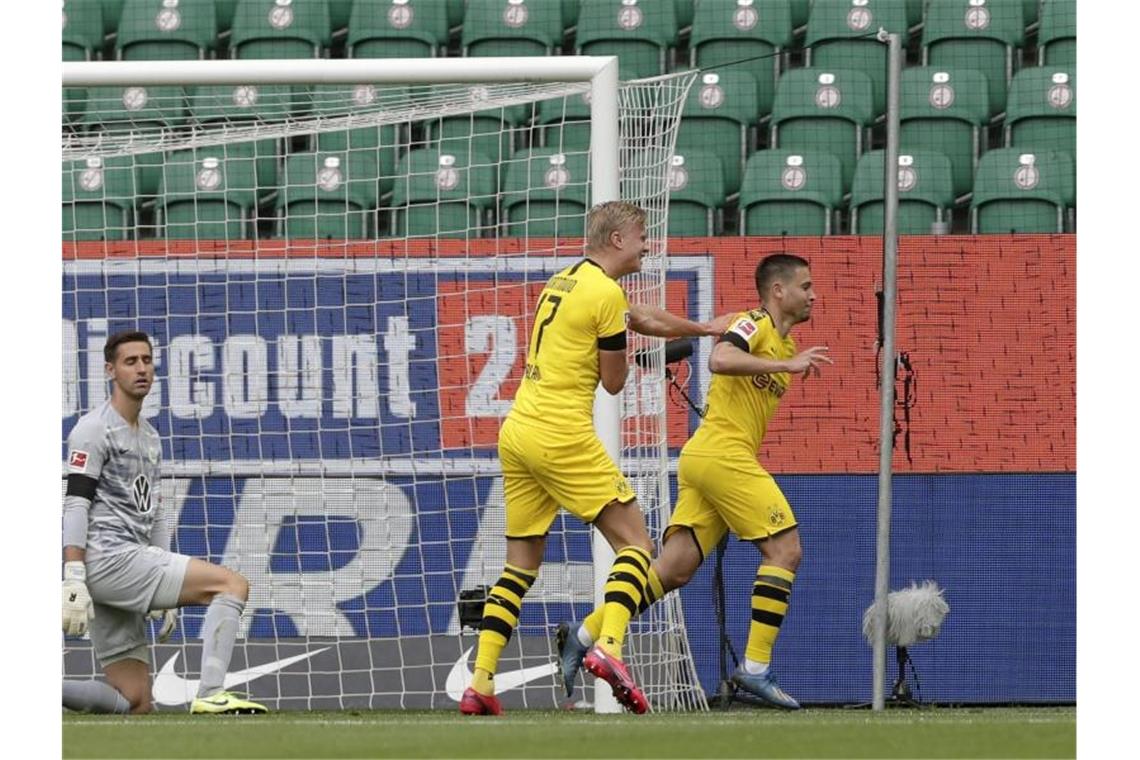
[[118, 566], [552, 457], [722, 487]]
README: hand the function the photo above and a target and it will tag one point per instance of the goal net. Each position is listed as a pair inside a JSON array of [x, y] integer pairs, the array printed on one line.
[[339, 276]]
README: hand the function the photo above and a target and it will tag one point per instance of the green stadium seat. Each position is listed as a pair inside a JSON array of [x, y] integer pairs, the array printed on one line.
[[381, 141], [489, 132], [74, 106], [801, 11], [1030, 10], [269, 29], [112, 12], [1019, 192], [98, 198], [455, 12], [718, 117], [926, 193], [683, 11], [209, 193], [398, 29], [213, 104], [945, 110], [696, 194], [1042, 110], [134, 109], [512, 27], [82, 30], [639, 32], [441, 194], [914, 9], [545, 194], [225, 10], [786, 192], [564, 123], [976, 34], [340, 12], [328, 196], [166, 30], [1057, 36], [837, 37], [570, 9], [732, 30], [823, 110]]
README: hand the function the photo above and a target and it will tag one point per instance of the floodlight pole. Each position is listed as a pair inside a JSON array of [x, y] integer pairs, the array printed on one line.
[[887, 373]]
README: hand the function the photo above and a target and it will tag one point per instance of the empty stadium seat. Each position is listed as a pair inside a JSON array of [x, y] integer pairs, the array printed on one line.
[[441, 194], [382, 141], [926, 193], [823, 110], [787, 192], [1020, 192], [340, 12], [801, 10], [328, 196], [639, 32], [1030, 10], [268, 29], [490, 132], [1042, 110], [398, 29], [945, 110], [166, 30], [564, 123], [512, 27], [209, 193], [134, 109], [683, 11], [455, 12], [570, 9], [112, 12], [545, 194], [98, 198], [718, 116], [82, 30], [976, 34], [696, 194], [841, 34], [225, 10], [1057, 36], [914, 9], [733, 30]]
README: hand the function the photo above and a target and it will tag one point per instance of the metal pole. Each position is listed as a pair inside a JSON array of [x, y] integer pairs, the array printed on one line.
[[887, 389]]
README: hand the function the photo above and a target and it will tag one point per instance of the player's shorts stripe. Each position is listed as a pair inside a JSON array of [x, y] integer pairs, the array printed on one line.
[[615, 342], [82, 486], [735, 340], [773, 580], [513, 586], [498, 625], [506, 604], [622, 598], [768, 592], [620, 577], [767, 618]]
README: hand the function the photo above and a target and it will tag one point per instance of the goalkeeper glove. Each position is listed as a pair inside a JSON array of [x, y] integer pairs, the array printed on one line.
[[169, 620], [77, 606]]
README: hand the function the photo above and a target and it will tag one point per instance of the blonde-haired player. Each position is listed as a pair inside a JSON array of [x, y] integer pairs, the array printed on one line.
[[721, 486], [552, 457]]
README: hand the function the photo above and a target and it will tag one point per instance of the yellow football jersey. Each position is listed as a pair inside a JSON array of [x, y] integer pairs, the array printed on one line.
[[740, 406], [580, 310]]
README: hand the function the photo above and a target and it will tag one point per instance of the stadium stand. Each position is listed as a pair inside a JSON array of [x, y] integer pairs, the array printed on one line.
[[728, 30], [926, 193], [512, 27], [986, 35], [787, 192], [1057, 36], [641, 33], [719, 114], [443, 194], [1020, 192], [545, 194], [1042, 110], [564, 124], [328, 195], [166, 30], [399, 29], [696, 194], [209, 193], [98, 199], [82, 30], [268, 29], [383, 141], [112, 12]]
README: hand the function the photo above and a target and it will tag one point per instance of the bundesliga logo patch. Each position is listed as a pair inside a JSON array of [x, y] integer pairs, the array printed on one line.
[[78, 460], [744, 328]]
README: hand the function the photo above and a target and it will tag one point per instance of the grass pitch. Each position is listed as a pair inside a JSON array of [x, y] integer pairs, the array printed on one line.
[[738, 733]]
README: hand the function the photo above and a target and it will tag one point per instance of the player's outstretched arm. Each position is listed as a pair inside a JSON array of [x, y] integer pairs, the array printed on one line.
[[658, 323], [727, 358]]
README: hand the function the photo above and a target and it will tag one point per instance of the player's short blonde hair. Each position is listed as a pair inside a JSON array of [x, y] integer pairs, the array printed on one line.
[[607, 217]]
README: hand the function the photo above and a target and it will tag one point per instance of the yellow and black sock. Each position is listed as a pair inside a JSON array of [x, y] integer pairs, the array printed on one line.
[[500, 616], [653, 591], [770, 595], [624, 590]]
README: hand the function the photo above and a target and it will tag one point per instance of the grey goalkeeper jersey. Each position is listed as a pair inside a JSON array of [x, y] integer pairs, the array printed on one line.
[[125, 461]]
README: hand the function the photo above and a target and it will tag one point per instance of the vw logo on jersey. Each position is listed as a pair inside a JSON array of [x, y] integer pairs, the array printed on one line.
[[281, 15], [977, 17], [515, 14], [630, 16], [745, 16], [168, 19], [245, 95], [401, 15], [140, 493], [134, 98]]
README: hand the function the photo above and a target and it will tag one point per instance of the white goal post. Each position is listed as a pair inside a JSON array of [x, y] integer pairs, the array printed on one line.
[[333, 444]]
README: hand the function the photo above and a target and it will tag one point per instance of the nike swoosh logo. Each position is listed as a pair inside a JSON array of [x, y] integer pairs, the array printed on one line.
[[172, 689], [460, 676]]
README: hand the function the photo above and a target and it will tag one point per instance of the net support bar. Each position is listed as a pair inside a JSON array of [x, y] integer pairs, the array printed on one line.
[[887, 387]]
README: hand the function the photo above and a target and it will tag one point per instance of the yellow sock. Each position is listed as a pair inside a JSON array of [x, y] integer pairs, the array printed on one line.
[[500, 616], [483, 682], [653, 592], [770, 595], [624, 590]]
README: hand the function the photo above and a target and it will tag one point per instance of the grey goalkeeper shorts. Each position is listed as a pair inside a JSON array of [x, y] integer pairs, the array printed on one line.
[[124, 587]]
